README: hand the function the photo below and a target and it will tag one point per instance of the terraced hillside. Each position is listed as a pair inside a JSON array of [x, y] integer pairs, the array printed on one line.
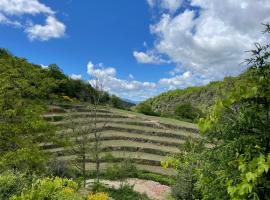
[[146, 140]]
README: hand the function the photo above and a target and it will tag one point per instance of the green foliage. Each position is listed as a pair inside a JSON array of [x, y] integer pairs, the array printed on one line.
[[237, 168], [121, 170], [116, 102], [201, 98], [12, 184], [250, 174], [50, 189], [187, 163], [163, 179], [146, 109], [187, 112], [36, 82], [125, 192], [21, 129]]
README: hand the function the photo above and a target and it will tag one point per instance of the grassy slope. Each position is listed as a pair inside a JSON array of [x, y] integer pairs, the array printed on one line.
[[146, 140]]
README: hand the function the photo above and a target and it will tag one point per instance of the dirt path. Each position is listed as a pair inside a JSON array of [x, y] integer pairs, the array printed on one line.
[[152, 189]]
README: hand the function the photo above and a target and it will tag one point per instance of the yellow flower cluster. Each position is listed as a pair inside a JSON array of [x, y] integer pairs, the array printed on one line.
[[98, 196]]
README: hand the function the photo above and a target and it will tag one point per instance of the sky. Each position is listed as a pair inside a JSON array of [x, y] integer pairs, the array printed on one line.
[[136, 48]]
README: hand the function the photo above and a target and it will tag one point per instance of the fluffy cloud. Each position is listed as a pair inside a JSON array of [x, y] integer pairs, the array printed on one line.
[[10, 9], [131, 89], [20, 7], [208, 39], [170, 5], [52, 29], [76, 76], [147, 58]]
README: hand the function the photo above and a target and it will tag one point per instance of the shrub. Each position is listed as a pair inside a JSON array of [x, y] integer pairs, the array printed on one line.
[[163, 179], [145, 108], [11, 184], [126, 192], [50, 189], [122, 170], [188, 112], [98, 196]]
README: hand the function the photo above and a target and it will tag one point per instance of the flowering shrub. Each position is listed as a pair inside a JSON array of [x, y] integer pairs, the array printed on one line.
[[98, 196]]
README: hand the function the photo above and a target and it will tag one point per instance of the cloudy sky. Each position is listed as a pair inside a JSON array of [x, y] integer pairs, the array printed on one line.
[[138, 48]]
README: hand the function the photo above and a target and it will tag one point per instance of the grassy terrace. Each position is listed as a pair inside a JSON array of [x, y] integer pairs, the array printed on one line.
[[145, 140]]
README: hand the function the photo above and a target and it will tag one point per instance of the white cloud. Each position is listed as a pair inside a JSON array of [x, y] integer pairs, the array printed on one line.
[[18, 9], [170, 5], [131, 89], [76, 76], [147, 58], [5, 20], [52, 29], [211, 44]]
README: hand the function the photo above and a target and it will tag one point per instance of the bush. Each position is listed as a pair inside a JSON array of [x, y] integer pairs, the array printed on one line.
[[145, 108], [61, 168], [188, 112], [50, 189], [11, 184], [98, 196], [122, 170], [163, 179], [126, 192]]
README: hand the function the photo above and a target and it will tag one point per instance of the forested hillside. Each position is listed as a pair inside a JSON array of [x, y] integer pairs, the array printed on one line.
[[196, 100], [49, 84]]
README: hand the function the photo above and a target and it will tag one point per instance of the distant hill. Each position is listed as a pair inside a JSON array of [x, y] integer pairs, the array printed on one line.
[[131, 101], [201, 97]]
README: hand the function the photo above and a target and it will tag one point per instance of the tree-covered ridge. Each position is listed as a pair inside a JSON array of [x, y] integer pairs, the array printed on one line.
[[36, 82], [50, 83], [199, 98]]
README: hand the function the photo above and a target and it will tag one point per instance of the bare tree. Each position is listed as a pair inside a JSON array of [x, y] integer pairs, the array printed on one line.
[[97, 131], [86, 135], [81, 144]]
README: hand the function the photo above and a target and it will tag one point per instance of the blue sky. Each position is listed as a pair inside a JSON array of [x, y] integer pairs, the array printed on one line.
[[138, 48]]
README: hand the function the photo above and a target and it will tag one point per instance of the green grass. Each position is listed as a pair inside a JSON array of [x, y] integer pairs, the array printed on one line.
[[155, 169], [159, 119], [124, 145], [145, 140]]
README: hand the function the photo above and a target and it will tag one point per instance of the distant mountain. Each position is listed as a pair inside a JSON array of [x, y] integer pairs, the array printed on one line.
[[131, 101]]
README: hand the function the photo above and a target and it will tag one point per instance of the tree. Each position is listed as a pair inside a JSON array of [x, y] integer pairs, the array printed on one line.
[[116, 102], [98, 128], [86, 135], [21, 126], [188, 112], [237, 167]]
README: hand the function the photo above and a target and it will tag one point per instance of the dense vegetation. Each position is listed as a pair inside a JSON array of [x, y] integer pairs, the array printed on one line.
[[195, 100], [50, 83], [230, 160], [237, 165]]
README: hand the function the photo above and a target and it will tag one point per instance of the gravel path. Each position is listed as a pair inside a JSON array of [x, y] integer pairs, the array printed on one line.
[[152, 189]]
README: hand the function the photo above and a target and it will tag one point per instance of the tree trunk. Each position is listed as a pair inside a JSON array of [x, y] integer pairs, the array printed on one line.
[[83, 171]]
